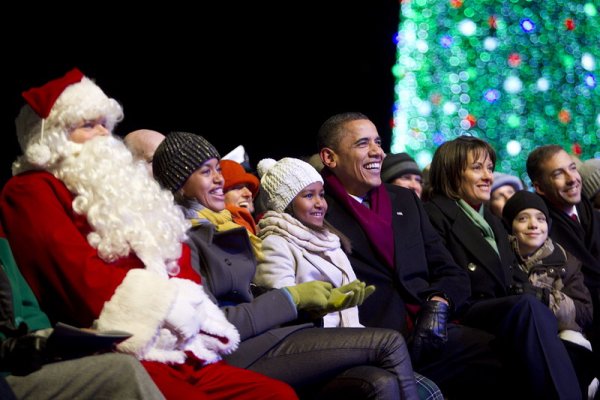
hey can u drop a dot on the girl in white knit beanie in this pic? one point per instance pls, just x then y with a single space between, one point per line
297 247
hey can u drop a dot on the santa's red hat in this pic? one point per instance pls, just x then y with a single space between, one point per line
54 108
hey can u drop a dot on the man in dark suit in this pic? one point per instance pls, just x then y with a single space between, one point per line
395 248
575 225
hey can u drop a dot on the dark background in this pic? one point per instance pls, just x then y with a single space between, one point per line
261 75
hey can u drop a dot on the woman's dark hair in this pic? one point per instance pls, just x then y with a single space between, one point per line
451 160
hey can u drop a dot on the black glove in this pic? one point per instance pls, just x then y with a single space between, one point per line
23 355
430 333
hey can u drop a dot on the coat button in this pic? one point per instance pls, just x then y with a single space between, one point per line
471 267
227 261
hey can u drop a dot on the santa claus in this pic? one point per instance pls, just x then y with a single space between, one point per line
100 243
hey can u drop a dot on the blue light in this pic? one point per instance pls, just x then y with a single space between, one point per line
590 80
527 25
491 95
446 41
438 138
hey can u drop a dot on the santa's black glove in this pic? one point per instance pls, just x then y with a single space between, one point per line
23 355
431 333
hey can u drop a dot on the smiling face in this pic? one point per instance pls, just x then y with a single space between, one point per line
477 179
356 160
206 186
531 230
560 182
240 196
309 205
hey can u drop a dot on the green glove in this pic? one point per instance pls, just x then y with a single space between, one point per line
368 291
339 300
360 290
310 295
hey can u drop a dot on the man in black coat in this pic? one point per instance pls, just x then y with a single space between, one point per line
575 225
395 248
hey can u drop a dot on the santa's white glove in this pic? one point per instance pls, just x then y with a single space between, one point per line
182 318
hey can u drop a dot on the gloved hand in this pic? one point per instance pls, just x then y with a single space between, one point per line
183 320
430 333
310 296
359 293
564 308
369 290
339 300
23 355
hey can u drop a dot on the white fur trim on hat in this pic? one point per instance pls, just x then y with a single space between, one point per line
281 181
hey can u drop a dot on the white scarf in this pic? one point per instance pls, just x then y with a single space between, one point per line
321 243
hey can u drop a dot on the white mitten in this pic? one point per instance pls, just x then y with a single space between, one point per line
208 319
198 346
219 334
182 319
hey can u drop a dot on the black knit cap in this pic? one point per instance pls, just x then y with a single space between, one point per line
520 201
396 165
178 156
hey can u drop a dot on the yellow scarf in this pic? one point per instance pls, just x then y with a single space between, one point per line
223 221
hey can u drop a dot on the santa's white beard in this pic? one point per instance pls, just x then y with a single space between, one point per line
124 205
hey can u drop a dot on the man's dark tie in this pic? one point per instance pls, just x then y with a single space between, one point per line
574 217
366 203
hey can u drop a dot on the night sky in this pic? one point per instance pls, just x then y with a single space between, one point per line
236 75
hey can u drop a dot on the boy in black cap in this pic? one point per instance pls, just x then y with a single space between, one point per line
555 274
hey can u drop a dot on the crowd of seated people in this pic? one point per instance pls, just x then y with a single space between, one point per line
352 280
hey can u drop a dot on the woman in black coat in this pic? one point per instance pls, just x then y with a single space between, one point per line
502 300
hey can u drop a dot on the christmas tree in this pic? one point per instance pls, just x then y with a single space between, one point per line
515 73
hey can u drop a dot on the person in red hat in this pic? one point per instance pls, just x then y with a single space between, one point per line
240 188
102 245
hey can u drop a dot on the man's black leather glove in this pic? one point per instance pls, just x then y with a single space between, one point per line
431 333
22 355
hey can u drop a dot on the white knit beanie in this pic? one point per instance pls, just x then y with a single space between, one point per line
282 180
